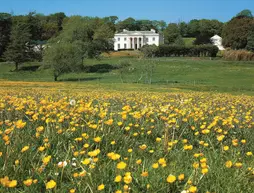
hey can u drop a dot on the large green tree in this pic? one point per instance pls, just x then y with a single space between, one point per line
159 25
140 25
245 13
236 32
129 24
183 27
63 58
5 30
18 50
81 37
250 39
171 33
193 28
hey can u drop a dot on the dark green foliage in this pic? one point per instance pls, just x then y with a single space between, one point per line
245 13
192 51
236 31
178 50
19 50
81 37
149 51
92 34
171 33
207 29
250 40
100 68
193 28
64 58
140 25
202 39
202 29
5 30
183 27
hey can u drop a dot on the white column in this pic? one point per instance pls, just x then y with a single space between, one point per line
138 43
133 43
142 42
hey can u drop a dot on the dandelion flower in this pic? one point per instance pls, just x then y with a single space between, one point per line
51 184
171 179
121 165
100 187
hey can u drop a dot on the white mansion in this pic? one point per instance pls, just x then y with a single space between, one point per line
136 39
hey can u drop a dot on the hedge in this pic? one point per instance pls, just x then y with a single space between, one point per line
178 50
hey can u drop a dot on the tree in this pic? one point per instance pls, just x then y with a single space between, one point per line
111 22
51 25
183 27
250 40
104 32
245 13
63 58
129 24
159 25
202 39
210 27
149 51
5 29
144 25
82 37
18 50
236 31
171 33
193 28
34 24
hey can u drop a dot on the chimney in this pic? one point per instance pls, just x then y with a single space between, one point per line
152 30
125 30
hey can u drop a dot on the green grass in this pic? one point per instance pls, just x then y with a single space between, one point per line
198 74
189 41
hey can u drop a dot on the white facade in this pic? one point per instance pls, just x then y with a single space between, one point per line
136 39
217 41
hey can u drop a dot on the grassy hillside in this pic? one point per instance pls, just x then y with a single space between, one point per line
181 73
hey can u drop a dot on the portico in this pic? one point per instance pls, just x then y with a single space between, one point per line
136 42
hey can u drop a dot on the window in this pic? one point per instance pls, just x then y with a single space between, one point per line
147 39
118 46
118 39
125 46
153 39
125 39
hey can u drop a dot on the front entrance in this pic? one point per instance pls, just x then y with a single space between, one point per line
135 43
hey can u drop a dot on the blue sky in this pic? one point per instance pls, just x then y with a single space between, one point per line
168 10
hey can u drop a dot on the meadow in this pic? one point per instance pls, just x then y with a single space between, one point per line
128 125
64 137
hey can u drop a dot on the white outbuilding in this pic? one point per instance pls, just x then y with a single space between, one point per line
217 41
136 39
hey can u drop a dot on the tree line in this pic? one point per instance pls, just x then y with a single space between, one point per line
69 40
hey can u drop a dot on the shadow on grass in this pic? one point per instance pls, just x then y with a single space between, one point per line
29 68
99 68
79 79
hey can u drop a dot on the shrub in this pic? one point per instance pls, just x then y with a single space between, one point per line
192 51
149 50
238 55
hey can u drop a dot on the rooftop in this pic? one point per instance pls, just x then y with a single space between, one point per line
127 32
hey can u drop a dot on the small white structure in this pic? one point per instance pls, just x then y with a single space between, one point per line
217 41
136 39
